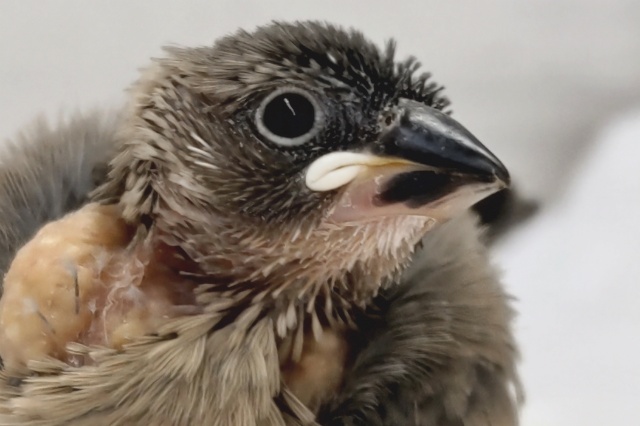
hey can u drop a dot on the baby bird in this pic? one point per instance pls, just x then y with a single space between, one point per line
310 197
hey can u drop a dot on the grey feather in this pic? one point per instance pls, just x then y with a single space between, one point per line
441 352
46 172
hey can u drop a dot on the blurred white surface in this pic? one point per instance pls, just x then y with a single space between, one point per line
576 271
537 81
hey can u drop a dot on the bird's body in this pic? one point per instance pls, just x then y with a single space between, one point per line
330 286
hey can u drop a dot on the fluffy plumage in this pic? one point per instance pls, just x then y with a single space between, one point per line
46 172
429 345
441 352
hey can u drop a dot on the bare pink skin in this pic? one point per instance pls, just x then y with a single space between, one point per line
359 201
76 281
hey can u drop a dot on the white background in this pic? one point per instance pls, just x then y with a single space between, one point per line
552 87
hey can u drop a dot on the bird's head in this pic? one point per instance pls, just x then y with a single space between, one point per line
298 158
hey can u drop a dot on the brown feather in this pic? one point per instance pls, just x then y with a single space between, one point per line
431 346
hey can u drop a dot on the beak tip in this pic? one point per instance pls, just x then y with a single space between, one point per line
490 170
503 177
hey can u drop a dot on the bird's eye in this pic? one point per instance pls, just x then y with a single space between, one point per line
289 117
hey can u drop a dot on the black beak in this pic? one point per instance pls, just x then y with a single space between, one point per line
448 157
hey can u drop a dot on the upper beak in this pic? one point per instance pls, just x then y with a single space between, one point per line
425 163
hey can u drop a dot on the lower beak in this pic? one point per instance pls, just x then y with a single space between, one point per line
425 164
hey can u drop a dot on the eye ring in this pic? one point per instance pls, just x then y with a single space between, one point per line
289 117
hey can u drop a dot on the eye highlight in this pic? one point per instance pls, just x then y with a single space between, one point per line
289 117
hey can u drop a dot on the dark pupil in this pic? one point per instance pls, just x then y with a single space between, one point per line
289 115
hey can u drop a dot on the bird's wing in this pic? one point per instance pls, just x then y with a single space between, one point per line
443 353
46 172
